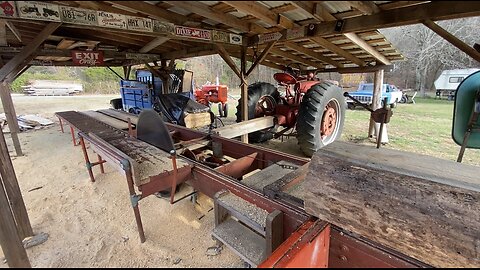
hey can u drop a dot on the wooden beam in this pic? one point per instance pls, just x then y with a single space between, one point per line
365 69
317 10
296 58
244 89
152 10
334 48
14 30
191 52
243 128
207 12
367 47
10 241
441 10
366 7
97 5
262 57
153 44
28 50
14 194
11 116
226 57
452 39
3 33
313 54
262 13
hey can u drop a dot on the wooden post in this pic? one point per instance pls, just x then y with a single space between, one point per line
376 104
11 115
244 105
13 191
11 226
9 239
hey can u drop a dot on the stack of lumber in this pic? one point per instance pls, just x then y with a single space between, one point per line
26 122
424 207
52 88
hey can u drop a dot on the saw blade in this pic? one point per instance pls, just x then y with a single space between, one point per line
151 129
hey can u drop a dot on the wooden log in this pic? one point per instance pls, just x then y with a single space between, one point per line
437 222
195 120
245 127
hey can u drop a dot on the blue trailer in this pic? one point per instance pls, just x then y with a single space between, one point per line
147 92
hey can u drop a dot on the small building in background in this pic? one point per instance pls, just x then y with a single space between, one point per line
52 88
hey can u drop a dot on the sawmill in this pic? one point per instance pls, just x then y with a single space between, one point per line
339 205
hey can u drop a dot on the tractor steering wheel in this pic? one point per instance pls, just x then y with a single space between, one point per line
289 68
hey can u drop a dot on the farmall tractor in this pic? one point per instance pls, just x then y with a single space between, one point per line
313 110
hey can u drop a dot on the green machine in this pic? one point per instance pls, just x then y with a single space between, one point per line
466 124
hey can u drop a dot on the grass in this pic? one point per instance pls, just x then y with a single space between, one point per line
424 128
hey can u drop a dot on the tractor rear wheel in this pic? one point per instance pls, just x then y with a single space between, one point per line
321 117
262 100
221 112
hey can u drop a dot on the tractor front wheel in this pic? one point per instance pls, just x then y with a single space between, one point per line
321 117
262 100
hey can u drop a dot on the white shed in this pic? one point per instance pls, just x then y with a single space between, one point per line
450 79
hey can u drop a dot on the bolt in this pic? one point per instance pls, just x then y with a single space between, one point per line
343 258
344 248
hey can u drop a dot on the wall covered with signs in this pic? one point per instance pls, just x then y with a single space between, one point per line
34 10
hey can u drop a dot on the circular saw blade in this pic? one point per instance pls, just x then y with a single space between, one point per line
151 129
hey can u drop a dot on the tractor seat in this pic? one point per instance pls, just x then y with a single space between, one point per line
284 78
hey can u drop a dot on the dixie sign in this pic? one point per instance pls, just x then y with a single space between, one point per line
87 58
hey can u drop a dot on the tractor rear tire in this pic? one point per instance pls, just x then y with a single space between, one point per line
255 92
225 110
322 101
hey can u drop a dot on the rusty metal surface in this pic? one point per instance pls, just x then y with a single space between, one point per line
348 250
306 247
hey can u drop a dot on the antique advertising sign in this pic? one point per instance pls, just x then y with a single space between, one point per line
235 39
220 36
38 11
163 27
264 38
193 33
7 9
78 15
111 20
87 58
139 24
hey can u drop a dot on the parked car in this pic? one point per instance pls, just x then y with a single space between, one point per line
364 94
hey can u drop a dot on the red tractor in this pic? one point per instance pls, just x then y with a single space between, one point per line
214 94
316 109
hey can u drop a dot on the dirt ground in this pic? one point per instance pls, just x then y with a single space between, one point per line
92 224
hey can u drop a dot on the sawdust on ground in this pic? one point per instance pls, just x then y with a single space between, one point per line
92 224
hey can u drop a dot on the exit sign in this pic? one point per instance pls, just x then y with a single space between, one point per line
87 58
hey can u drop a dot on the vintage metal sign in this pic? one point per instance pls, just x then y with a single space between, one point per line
78 16
163 27
264 38
87 58
139 24
7 9
236 39
193 33
220 36
295 33
38 11
112 20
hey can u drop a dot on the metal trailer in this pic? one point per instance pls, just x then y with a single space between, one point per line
449 80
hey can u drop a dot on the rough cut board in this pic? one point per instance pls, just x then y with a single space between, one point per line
106 119
422 217
148 160
121 115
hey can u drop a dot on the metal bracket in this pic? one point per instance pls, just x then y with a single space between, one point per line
135 199
88 165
